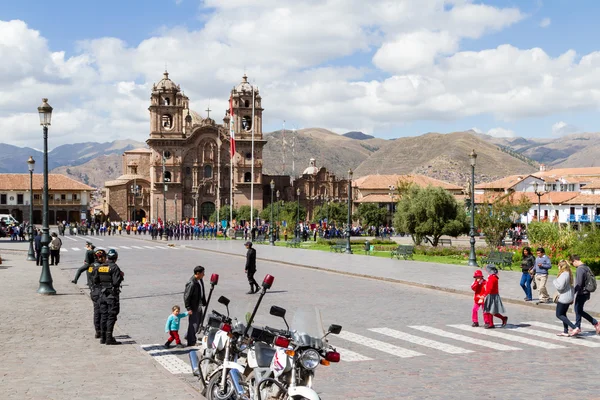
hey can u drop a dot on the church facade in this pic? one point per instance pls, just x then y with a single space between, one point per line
186 172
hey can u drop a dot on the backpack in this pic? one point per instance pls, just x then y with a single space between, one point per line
590 281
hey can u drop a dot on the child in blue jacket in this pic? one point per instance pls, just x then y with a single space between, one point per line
172 326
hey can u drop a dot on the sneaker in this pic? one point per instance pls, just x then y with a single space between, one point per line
488 326
475 324
250 292
167 345
504 321
597 326
74 281
575 332
526 299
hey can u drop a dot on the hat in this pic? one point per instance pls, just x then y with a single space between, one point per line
478 274
491 268
88 243
249 244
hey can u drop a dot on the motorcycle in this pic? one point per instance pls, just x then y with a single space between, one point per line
287 371
227 380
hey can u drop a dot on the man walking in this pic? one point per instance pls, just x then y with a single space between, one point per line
87 262
194 299
251 268
582 294
37 240
542 266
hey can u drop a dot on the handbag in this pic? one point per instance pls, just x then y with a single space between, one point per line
533 284
555 298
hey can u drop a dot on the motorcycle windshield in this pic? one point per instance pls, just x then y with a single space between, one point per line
307 326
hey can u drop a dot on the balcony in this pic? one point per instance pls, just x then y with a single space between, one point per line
572 218
246 163
57 202
597 219
584 218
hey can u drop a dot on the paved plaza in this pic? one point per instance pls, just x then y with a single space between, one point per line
400 339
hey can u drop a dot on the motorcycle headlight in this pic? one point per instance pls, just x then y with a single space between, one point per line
310 359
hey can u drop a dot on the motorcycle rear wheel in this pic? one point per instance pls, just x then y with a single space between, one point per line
213 389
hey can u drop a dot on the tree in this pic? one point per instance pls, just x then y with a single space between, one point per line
336 212
223 214
243 213
494 217
288 212
370 214
429 211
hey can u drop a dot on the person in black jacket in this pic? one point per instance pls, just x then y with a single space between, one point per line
251 268
194 299
37 240
87 262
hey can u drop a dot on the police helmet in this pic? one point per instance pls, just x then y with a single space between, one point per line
99 253
112 255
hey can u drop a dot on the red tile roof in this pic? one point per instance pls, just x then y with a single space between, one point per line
55 182
587 199
504 183
384 181
546 198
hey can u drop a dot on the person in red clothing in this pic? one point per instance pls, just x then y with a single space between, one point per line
492 305
478 287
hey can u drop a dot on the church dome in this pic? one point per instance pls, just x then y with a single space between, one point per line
312 168
245 86
165 84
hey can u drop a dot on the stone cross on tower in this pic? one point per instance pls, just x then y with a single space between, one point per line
208 110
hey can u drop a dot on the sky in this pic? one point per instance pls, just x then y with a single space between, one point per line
389 68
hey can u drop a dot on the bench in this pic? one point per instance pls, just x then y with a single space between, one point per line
445 241
500 259
239 234
260 238
295 242
403 251
338 247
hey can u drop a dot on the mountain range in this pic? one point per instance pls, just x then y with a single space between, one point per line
443 156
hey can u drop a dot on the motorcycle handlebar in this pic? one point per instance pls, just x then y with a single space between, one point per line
277 331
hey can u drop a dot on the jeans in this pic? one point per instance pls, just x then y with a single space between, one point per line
561 313
580 300
526 284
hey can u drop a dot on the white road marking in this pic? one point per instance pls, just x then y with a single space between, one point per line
149 247
548 335
125 247
62 249
378 345
467 339
97 238
70 238
446 348
161 247
169 361
75 248
544 325
350 356
138 247
505 336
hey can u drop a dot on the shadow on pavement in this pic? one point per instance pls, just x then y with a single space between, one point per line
150 295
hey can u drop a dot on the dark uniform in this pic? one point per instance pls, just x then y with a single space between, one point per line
87 262
251 268
109 277
95 296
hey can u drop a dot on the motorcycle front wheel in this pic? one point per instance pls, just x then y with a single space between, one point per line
213 389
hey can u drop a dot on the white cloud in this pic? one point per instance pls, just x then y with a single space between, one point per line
295 52
562 128
545 23
501 132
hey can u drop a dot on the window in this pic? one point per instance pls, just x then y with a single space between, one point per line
188 171
248 156
247 103
247 123
571 187
2 199
247 177
37 197
167 121
167 177
19 199
63 196
208 171
585 211
167 101
572 210
75 196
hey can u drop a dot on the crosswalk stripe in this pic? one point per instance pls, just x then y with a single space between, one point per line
138 247
512 338
169 361
446 348
70 238
378 345
75 248
552 336
125 247
543 325
350 356
149 247
62 249
467 339
161 247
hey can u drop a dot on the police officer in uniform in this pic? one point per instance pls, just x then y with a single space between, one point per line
109 277
87 262
100 257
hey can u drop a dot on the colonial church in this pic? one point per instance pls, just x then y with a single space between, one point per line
186 170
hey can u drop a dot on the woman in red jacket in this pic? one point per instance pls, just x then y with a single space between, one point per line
492 305
478 287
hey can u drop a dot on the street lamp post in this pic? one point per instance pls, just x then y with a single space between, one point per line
175 202
348 245
45 287
30 253
272 238
393 205
472 254
165 237
298 213
539 196
277 217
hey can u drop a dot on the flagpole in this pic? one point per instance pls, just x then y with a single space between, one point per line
231 154
252 167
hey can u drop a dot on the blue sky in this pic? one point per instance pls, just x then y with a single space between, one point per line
284 72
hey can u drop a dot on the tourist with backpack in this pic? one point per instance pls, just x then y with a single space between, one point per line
585 283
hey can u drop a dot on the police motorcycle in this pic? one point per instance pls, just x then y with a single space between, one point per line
227 380
287 371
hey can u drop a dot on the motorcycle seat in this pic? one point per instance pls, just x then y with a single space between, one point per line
264 354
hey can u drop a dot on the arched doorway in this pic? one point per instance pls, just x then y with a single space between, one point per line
206 210
139 214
